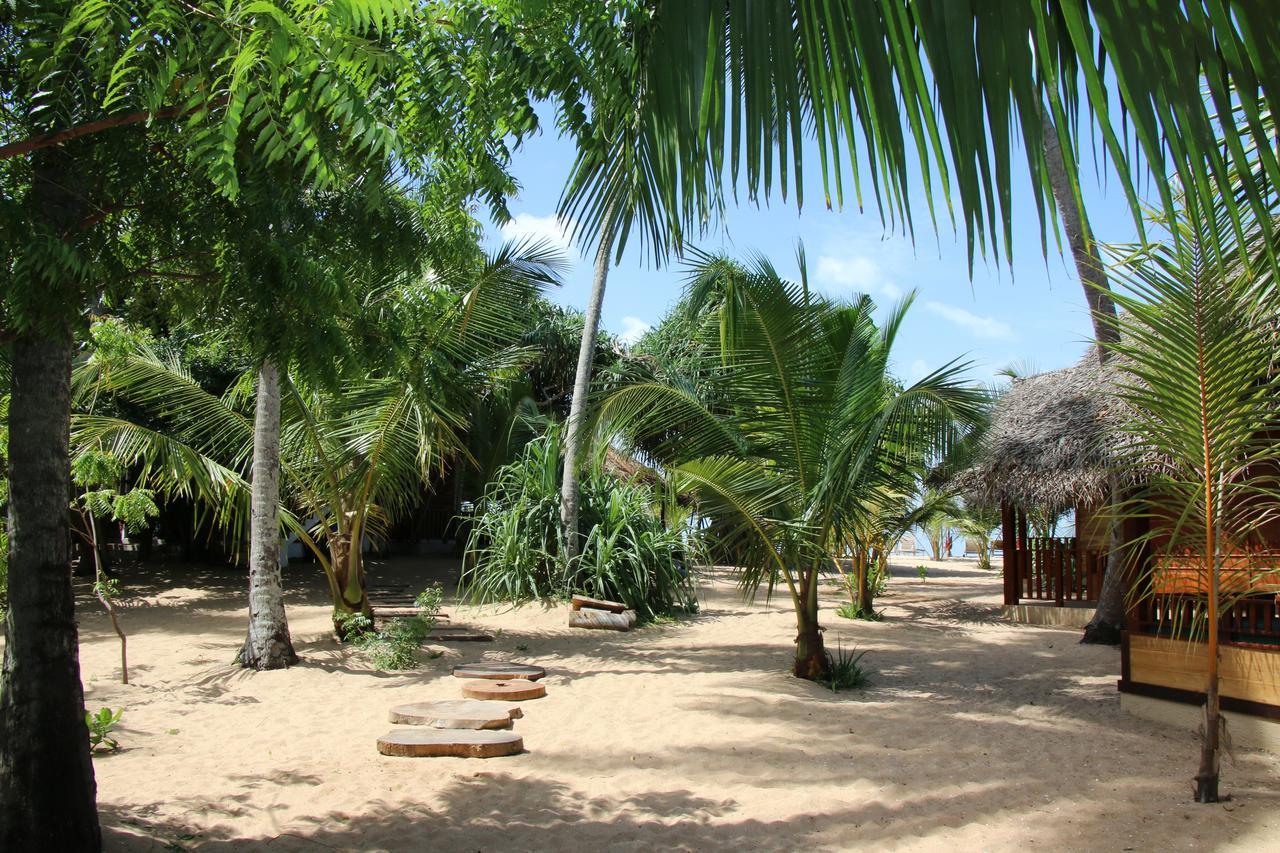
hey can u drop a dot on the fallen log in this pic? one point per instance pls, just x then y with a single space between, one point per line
580 601
604 620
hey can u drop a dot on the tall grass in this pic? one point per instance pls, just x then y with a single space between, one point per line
628 554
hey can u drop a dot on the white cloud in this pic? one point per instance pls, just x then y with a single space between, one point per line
550 229
856 271
632 329
919 369
982 327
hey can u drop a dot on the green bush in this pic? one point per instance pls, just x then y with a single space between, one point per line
396 645
628 554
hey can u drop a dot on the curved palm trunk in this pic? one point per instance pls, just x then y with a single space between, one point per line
581 386
348 588
47 789
268 645
1108 619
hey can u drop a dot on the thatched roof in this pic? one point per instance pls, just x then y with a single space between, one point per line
627 468
1051 441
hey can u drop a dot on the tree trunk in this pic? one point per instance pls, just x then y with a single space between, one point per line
1206 779
581 386
866 597
811 657
1108 619
268 645
104 596
350 592
47 789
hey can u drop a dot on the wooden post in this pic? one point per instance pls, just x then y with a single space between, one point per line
1060 559
1010 553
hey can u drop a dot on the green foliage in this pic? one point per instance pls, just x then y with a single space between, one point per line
853 611
354 455
923 571
99 473
396 646
1199 386
670 97
846 672
100 726
807 430
4 572
627 555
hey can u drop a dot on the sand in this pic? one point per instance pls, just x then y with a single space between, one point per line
973 735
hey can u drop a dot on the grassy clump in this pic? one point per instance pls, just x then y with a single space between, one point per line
846 670
852 611
628 554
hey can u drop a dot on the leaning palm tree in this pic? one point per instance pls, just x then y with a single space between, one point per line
814 426
1201 383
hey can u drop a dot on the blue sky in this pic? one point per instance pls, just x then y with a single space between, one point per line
1033 313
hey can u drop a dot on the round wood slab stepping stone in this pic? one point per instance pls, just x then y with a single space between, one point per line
511 691
457 714
427 743
499 671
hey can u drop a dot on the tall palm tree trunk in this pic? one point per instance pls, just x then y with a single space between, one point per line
268 645
581 387
1108 619
47 789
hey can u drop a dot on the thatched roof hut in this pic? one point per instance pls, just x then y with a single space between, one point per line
1051 442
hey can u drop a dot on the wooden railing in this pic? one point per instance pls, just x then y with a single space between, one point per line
1252 622
1053 569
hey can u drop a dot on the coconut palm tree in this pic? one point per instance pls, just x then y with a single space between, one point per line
816 426
1198 374
663 99
354 457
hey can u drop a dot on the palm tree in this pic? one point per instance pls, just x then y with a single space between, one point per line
354 457
664 98
976 521
1197 367
815 427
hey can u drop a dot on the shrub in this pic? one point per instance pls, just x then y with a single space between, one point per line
628 554
851 611
396 645
846 670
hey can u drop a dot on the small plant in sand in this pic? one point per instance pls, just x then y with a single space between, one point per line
846 670
100 726
396 645
99 474
923 571
850 610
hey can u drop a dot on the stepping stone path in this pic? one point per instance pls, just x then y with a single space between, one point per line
499 671
466 728
421 743
510 691
457 714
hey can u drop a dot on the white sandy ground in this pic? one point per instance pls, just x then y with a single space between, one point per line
974 735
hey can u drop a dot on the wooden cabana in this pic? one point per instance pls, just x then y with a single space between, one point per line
1047 452
1052 446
